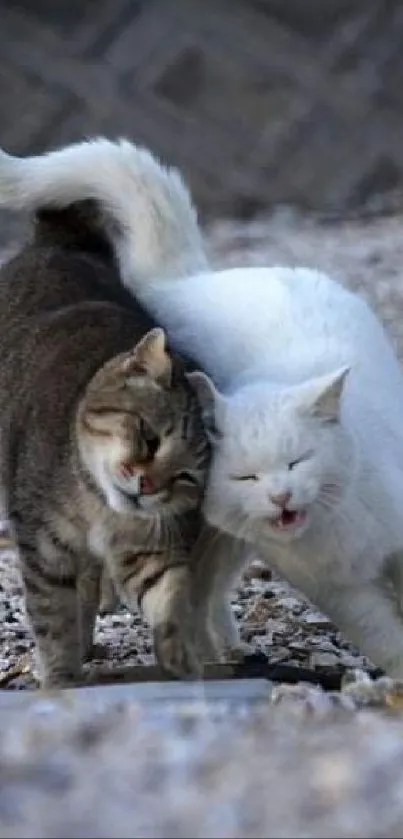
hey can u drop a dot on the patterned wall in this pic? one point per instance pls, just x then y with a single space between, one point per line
259 102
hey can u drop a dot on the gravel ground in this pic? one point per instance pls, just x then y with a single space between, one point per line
273 617
305 764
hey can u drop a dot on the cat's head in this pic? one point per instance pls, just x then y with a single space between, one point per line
282 461
140 432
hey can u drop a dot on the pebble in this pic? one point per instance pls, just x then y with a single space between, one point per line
324 659
315 619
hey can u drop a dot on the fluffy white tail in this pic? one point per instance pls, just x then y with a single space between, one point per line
146 208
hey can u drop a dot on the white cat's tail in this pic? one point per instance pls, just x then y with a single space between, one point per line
146 209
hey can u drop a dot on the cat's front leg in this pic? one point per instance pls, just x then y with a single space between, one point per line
226 631
108 600
166 607
158 584
217 564
52 609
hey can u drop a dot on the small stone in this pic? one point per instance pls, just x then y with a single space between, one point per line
316 619
323 644
348 660
277 654
290 603
258 571
299 646
259 614
319 659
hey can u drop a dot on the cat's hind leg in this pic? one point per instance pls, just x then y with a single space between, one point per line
52 608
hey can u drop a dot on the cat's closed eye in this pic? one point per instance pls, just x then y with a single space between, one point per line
244 478
151 439
293 463
186 478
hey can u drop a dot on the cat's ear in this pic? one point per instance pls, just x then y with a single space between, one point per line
151 356
210 400
321 397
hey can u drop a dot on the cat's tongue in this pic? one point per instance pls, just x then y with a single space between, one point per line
289 519
146 485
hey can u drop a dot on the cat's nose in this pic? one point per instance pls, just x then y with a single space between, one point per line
280 499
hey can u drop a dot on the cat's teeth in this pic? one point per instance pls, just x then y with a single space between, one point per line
146 485
283 522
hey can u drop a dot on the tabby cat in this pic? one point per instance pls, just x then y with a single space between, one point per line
104 453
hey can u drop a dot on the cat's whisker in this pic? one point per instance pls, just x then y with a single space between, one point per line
333 496
330 501
328 508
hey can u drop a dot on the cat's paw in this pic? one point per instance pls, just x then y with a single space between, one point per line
57 680
109 603
237 653
207 646
176 652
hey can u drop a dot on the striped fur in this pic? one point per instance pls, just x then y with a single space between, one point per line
103 448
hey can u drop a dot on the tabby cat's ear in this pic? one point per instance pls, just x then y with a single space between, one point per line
210 401
151 356
321 397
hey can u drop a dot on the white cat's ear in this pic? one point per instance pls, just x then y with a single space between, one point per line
210 400
321 397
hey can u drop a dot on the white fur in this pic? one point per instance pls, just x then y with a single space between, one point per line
148 212
266 335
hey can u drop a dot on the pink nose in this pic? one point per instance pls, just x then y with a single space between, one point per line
281 499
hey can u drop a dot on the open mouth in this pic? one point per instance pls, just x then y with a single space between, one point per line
289 519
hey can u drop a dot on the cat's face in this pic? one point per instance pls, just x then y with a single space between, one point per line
281 460
141 433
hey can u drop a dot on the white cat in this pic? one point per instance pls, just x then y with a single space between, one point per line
308 463
308 419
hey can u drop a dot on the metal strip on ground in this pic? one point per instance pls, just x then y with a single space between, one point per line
100 696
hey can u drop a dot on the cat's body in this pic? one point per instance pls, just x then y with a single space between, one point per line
308 466
103 450
267 337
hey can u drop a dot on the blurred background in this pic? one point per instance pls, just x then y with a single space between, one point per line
260 102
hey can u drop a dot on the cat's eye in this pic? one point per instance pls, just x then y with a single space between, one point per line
244 478
293 463
152 441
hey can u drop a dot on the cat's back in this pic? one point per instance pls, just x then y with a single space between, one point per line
63 313
55 302
292 322
68 265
